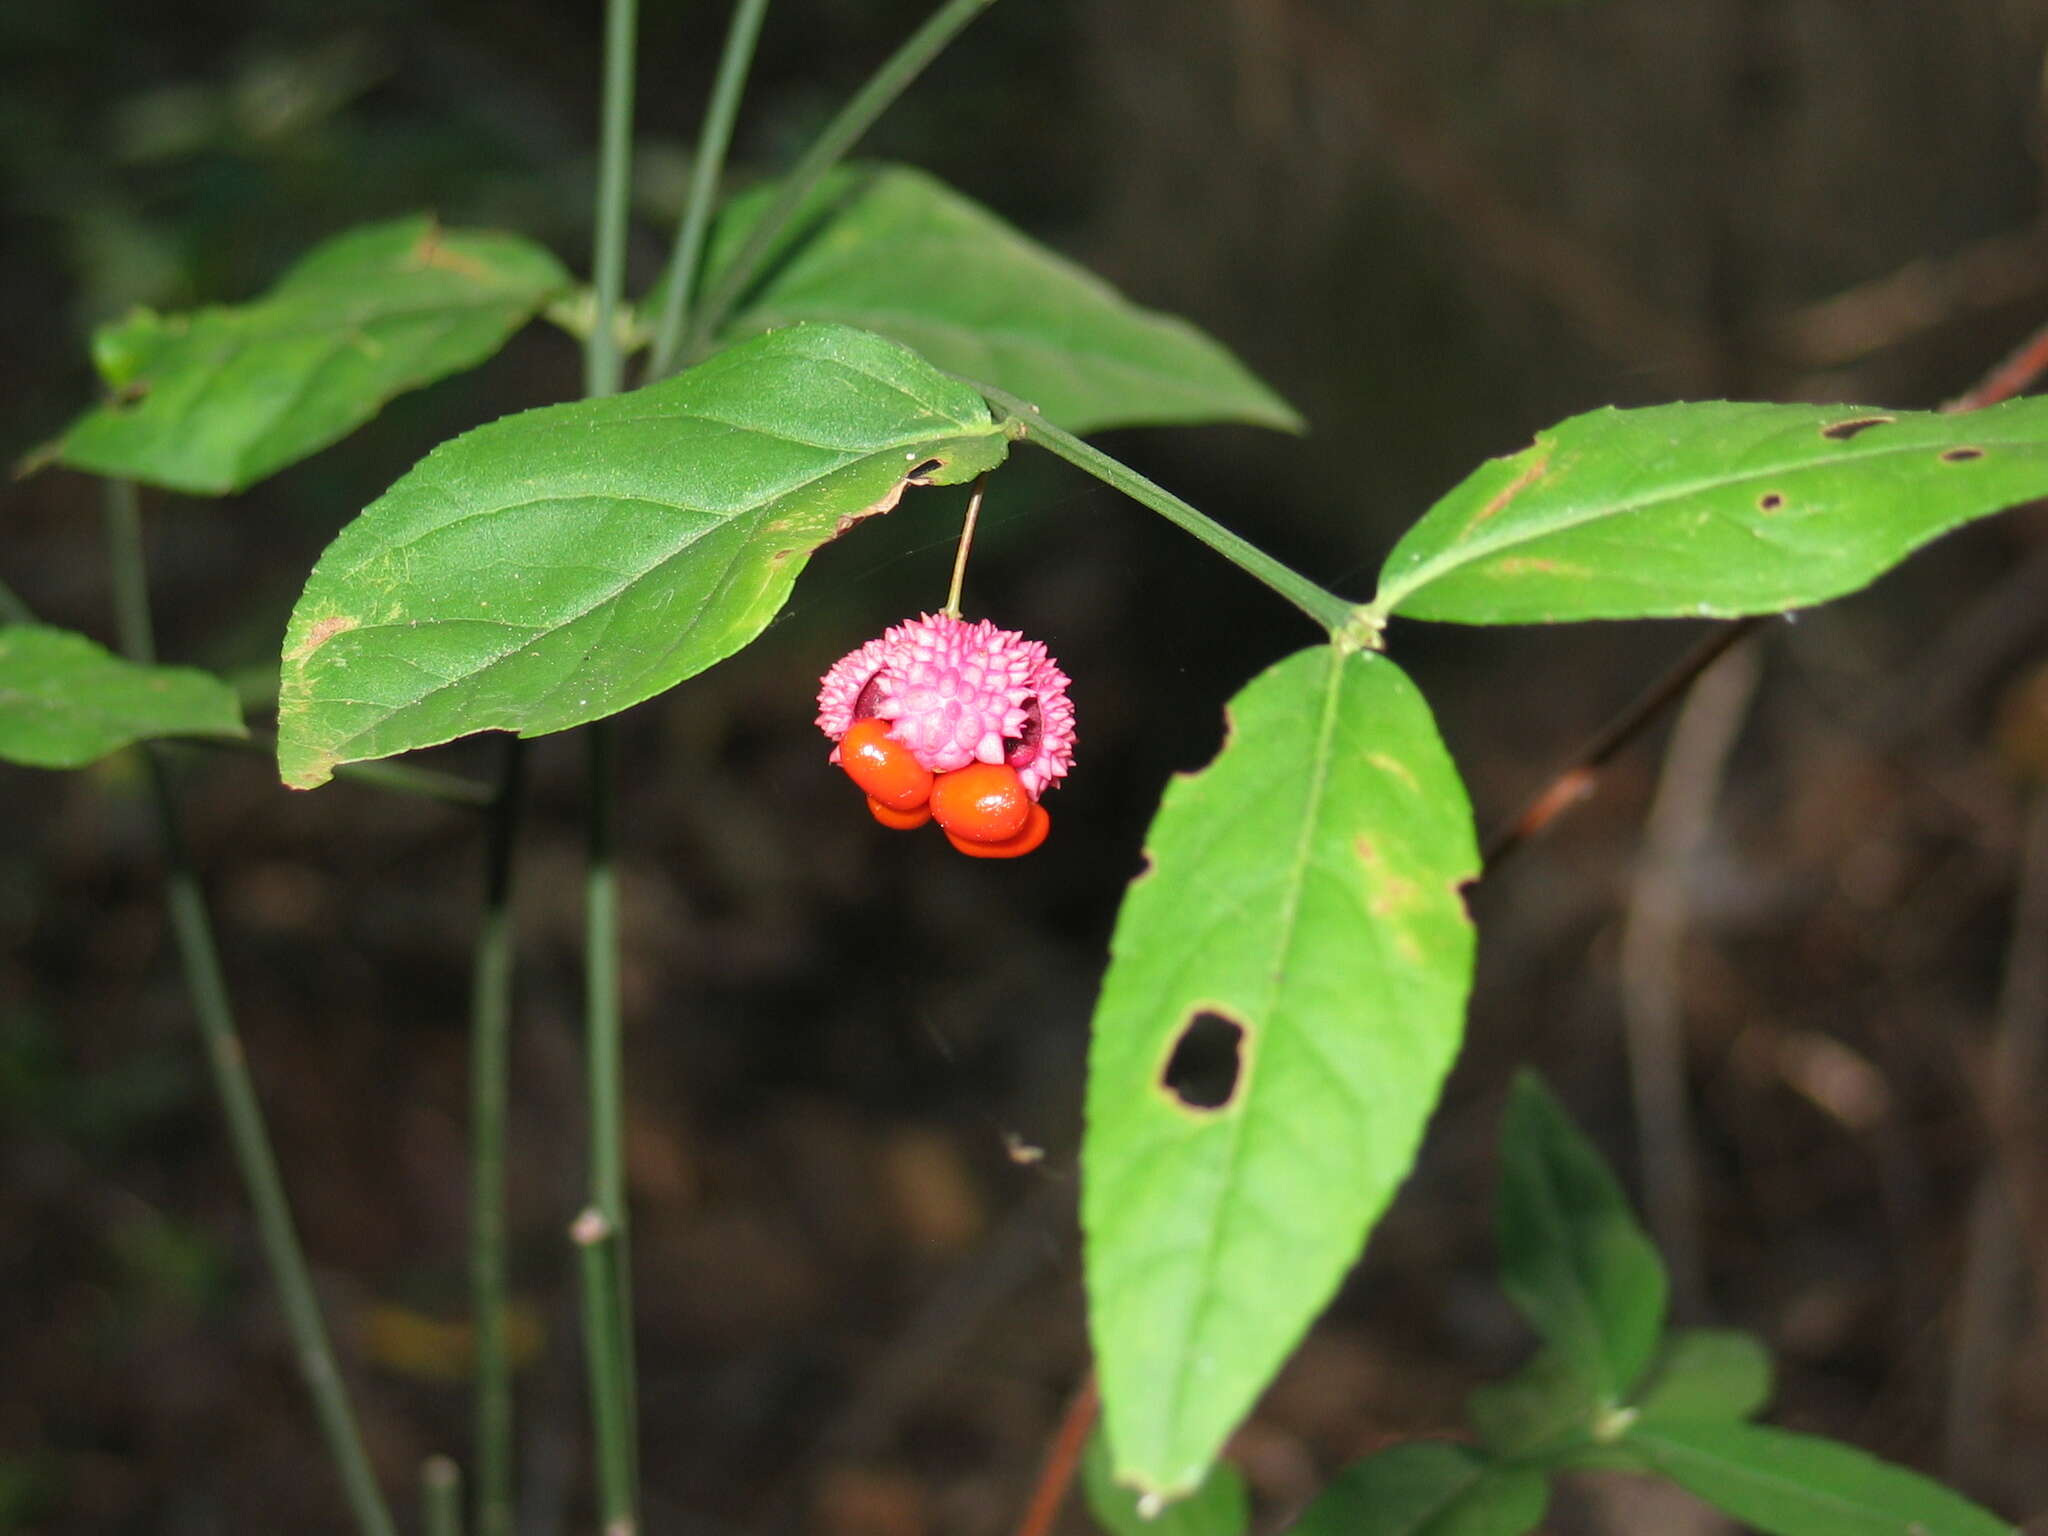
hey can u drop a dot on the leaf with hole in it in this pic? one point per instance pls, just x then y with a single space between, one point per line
1715 510
1573 1257
1219 1507
560 565
212 401
1427 1488
1785 1484
66 702
1302 903
1707 1373
898 252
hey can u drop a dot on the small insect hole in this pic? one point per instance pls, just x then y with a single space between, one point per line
1961 455
1770 501
1842 431
1206 1062
920 471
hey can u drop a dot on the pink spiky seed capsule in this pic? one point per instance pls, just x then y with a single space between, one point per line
956 693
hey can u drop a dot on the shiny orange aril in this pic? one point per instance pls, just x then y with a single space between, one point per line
884 766
982 802
899 821
1036 825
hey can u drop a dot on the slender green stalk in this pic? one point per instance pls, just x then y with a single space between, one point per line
601 367
12 609
601 1232
128 571
1025 424
602 1264
826 151
247 1135
490 1030
684 267
952 608
440 1497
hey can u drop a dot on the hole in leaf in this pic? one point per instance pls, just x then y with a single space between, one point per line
1842 431
1770 501
1206 1063
1961 455
924 469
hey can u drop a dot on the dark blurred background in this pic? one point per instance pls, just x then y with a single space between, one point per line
1436 226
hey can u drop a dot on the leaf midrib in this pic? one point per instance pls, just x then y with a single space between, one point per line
1679 1450
610 595
1311 815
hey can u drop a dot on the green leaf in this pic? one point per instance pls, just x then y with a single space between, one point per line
1801 1485
1545 1403
212 401
559 565
892 250
1305 889
1708 1374
1712 510
1573 1258
1427 1488
1218 1508
66 702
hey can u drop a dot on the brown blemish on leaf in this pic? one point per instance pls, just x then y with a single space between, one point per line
1770 501
875 508
1536 565
1842 431
1961 455
780 555
37 459
323 630
1394 896
430 252
1531 472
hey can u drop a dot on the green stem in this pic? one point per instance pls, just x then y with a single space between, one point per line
611 1389
1328 609
12 609
705 173
826 151
490 1090
614 183
247 1135
952 608
601 1230
440 1497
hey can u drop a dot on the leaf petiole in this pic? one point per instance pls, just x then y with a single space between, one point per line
1023 423
952 608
